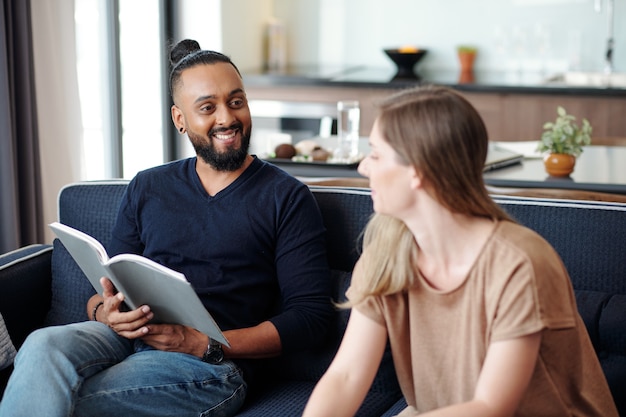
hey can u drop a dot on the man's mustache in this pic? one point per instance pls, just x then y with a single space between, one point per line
234 126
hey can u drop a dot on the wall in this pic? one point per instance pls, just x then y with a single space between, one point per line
58 106
234 27
529 35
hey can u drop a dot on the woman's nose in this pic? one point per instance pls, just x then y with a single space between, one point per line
362 168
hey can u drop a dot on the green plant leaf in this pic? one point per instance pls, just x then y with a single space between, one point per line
564 135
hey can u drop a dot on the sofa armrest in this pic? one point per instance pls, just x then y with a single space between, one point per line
25 277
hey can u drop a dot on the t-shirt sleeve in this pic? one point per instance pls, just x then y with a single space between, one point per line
371 306
537 294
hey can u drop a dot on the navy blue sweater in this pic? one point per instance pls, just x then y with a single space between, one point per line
253 252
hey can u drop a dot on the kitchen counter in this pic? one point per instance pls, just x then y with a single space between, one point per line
484 81
597 169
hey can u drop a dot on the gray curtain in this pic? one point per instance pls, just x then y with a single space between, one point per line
21 219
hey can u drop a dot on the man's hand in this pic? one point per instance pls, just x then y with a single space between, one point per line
129 324
134 324
176 338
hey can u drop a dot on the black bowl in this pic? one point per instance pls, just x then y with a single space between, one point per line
405 61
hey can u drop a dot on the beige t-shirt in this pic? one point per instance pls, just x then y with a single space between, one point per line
517 286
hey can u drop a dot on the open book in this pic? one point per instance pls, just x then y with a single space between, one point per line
142 281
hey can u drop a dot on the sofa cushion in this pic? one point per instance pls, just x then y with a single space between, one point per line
612 325
7 350
612 349
604 316
25 275
590 305
288 398
24 294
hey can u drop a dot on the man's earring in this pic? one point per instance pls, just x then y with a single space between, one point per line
181 129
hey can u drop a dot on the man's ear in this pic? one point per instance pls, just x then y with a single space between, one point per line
177 117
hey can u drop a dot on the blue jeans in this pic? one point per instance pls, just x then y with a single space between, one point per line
86 369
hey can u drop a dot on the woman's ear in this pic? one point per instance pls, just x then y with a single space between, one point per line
416 178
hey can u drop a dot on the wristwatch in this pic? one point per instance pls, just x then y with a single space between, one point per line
214 353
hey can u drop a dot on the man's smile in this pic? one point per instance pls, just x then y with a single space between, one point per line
227 137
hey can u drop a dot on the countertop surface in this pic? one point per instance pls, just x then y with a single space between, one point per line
598 168
369 77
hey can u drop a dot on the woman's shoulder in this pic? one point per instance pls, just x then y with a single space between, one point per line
517 235
514 245
521 260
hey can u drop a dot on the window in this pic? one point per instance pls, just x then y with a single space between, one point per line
121 85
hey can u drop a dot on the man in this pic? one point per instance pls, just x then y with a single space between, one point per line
247 236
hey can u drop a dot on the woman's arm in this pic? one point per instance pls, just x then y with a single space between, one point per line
503 380
343 387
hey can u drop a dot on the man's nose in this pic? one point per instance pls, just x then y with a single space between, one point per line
224 116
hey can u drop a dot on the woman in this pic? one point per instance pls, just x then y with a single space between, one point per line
479 311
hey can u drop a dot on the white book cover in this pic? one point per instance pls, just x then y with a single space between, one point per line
142 281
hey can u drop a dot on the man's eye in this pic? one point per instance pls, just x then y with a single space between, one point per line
207 107
237 103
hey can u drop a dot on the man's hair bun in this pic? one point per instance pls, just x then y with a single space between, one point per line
182 49
186 54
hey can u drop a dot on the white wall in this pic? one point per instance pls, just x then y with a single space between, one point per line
242 30
200 20
510 34
233 27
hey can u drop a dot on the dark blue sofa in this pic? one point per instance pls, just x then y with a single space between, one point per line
40 285
61 291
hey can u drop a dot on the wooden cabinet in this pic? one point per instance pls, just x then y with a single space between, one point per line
514 117
508 116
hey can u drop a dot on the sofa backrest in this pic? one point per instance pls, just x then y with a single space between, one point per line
92 208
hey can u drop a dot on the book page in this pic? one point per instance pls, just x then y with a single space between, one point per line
149 263
171 299
88 253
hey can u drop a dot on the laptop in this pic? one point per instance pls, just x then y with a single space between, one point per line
499 158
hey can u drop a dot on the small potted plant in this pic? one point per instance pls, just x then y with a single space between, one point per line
563 141
467 56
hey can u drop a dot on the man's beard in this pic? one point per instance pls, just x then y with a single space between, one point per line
229 160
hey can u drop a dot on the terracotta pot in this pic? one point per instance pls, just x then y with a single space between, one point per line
559 164
466 77
466 60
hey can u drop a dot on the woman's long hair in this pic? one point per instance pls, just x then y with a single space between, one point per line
437 131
